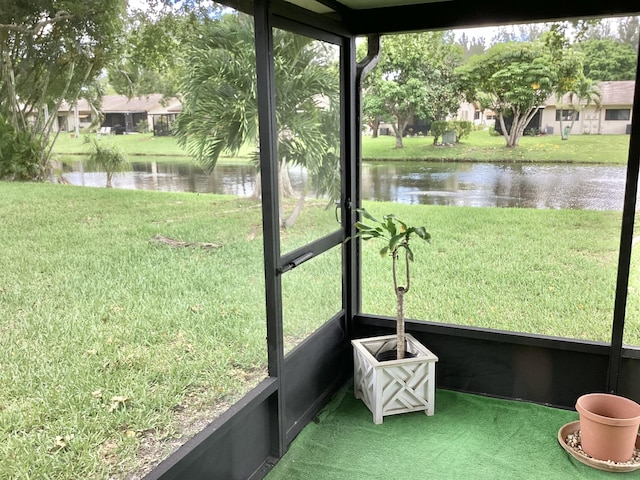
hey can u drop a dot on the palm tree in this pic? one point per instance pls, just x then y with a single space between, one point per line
220 110
583 94
109 158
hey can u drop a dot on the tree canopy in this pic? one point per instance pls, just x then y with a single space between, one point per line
608 60
514 79
50 51
414 78
220 110
154 45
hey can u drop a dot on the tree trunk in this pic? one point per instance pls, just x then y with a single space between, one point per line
505 134
291 219
562 137
284 181
257 192
376 126
398 128
109 175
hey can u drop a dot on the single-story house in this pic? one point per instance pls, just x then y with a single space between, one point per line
162 116
611 115
120 113
472 113
67 115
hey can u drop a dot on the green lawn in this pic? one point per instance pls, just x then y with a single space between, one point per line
110 341
133 144
480 146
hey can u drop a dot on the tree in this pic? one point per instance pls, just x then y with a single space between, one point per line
220 111
109 158
570 80
471 47
608 60
512 79
582 94
625 30
154 47
49 51
414 78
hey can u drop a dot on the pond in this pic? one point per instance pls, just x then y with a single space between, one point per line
556 186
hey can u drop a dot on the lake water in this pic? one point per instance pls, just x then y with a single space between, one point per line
553 186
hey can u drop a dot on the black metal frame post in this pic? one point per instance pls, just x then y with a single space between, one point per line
350 169
270 216
626 240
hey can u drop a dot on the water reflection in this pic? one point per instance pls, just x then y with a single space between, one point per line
585 187
230 179
553 186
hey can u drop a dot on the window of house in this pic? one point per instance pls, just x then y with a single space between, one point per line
617 114
567 115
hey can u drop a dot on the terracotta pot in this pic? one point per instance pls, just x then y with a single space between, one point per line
608 426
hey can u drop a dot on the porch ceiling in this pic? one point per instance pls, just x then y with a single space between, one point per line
364 17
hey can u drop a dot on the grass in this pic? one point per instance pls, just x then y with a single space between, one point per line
109 341
482 147
549 272
161 148
479 146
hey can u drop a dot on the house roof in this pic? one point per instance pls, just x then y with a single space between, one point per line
122 104
611 93
617 93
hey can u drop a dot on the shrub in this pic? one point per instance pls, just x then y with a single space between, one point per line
462 128
437 129
19 154
142 126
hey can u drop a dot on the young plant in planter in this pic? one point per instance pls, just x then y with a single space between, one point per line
396 236
393 373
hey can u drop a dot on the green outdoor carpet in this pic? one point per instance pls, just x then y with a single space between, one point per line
469 437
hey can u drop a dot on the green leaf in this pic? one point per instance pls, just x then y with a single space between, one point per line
390 226
409 252
367 215
395 240
422 233
384 251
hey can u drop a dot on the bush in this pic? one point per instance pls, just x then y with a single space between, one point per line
493 132
142 126
462 128
437 130
19 154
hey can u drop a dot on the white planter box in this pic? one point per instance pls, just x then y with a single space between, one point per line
396 386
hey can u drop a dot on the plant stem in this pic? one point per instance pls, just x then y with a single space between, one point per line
400 348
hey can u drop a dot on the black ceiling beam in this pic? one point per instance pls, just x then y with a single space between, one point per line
336 6
456 14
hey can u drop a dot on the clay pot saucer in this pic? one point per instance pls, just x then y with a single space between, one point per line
582 457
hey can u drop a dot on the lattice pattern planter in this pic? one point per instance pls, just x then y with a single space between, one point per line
396 386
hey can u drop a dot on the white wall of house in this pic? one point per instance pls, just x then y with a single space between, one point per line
606 120
468 112
65 121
